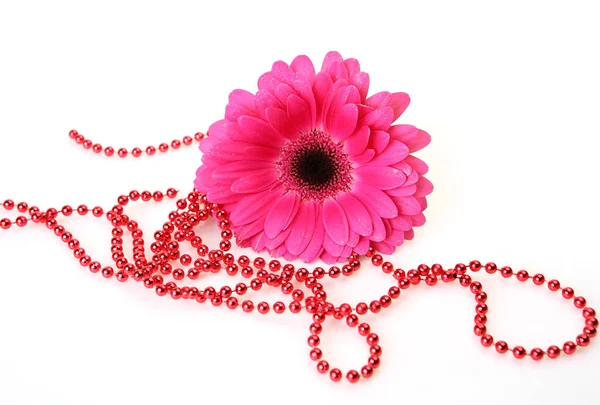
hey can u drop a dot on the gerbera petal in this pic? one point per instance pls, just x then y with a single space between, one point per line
400 102
364 157
241 102
259 242
374 198
204 180
353 239
353 66
331 96
423 187
338 71
402 191
279 240
260 153
409 235
381 99
357 143
264 100
283 91
282 72
382 177
328 258
279 215
321 87
331 246
330 58
401 222
384 248
361 81
217 130
278 119
302 228
408 205
379 141
411 136
254 182
303 66
251 207
223 195
417 164
299 113
246 232
255 130
378 227
380 118
418 220
315 246
359 219
362 246
395 152
343 122
335 221
345 253
232 171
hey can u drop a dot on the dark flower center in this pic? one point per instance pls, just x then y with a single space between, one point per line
314 166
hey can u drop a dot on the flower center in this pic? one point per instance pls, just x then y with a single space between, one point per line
314 166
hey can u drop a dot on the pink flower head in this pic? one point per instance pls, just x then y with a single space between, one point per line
310 167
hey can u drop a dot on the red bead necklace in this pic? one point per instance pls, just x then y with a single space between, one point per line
301 286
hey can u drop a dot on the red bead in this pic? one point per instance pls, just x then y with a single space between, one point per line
352 320
487 340
579 302
372 339
553 285
519 352
353 376
568 293
362 308
316 354
522 275
538 279
589 313
583 340
506 272
501 347
591 322
591 332
367 371
537 354
263 307
322 367
491 268
553 352
475 265
335 375
569 348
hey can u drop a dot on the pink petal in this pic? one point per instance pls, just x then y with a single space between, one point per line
303 66
395 152
255 130
278 119
321 88
396 237
333 93
417 164
379 141
331 247
361 81
217 129
328 259
304 89
279 240
363 246
400 102
343 122
230 172
204 180
357 143
240 103
376 199
379 233
260 153
401 222
268 82
381 118
352 66
302 228
251 207
282 72
354 238
402 191
384 248
418 220
411 136
409 235
259 180
381 99
359 219
299 113
234 111
283 91
423 187
259 242
335 221
382 177
422 202
223 195
315 246
264 100
408 205
338 71
251 229
364 157
345 253
330 58
279 214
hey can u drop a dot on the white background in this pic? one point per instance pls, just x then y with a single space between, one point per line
508 90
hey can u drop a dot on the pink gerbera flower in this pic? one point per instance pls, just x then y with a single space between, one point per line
310 167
